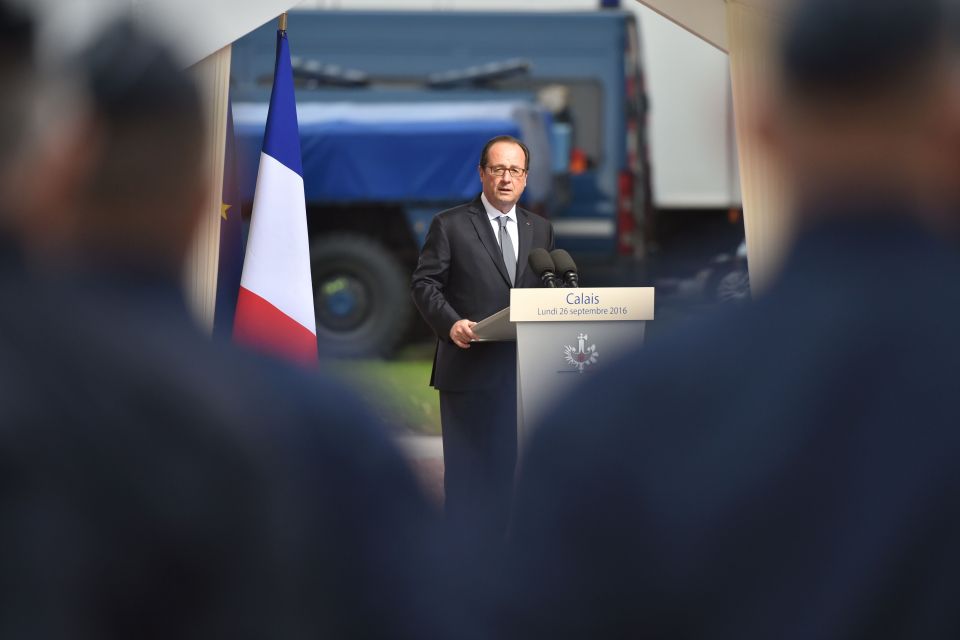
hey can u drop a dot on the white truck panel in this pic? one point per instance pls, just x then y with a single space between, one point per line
691 123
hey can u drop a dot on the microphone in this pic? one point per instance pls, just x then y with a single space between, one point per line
566 267
542 264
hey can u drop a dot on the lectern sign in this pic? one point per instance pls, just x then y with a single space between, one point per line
565 336
565 305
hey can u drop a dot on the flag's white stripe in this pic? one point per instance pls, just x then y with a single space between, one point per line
277 264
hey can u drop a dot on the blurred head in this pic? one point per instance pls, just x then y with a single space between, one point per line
17 83
145 191
40 154
502 158
868 101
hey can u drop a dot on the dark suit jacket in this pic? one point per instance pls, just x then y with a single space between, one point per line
788 470
461 274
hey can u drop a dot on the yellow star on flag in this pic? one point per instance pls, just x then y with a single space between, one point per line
224 207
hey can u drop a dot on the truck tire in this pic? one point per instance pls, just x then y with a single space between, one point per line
360 295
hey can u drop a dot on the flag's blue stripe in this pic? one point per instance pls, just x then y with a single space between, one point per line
282 139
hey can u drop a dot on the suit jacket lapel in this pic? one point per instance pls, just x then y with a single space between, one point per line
525 231
482 224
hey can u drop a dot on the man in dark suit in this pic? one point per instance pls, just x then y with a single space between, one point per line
787 470
473 255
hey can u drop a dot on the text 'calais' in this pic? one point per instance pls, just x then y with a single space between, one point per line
578 298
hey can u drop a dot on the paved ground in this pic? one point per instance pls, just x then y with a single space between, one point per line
426 457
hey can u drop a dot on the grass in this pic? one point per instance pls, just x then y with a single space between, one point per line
397 390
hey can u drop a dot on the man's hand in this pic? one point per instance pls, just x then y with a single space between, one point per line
462 333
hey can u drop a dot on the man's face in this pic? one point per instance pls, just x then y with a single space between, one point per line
504 191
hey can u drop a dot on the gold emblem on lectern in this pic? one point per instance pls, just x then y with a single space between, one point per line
581 356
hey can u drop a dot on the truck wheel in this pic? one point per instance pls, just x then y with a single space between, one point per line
361 297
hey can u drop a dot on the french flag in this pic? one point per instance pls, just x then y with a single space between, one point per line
275 306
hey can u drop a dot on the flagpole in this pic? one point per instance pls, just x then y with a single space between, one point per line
283 21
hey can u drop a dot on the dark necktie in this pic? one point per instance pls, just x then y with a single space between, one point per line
506 247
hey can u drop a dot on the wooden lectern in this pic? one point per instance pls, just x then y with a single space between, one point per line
564 337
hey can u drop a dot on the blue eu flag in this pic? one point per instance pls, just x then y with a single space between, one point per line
231 240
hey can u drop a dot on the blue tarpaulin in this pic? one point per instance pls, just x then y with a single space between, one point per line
395 152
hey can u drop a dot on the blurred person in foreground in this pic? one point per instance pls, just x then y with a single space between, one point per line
790 469
158 484
30 139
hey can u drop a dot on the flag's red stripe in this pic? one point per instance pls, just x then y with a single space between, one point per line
262 326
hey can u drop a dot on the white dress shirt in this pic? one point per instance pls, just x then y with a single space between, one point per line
493 213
